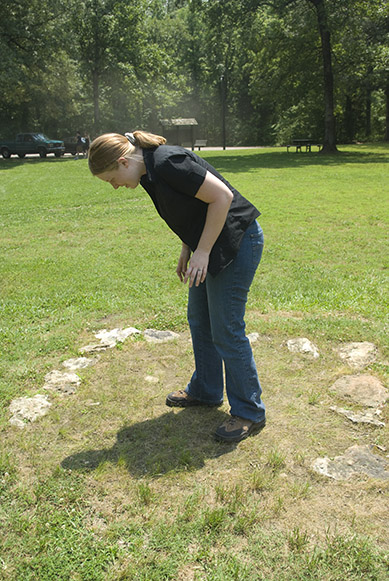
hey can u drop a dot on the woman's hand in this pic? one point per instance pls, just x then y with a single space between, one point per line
182 264
198 268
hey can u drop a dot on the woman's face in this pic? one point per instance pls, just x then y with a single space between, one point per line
128 172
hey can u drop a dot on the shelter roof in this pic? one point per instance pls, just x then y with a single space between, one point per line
179 122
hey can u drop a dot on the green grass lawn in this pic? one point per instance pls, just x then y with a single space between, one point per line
78 256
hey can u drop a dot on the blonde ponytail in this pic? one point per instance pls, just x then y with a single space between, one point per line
148 140
106 149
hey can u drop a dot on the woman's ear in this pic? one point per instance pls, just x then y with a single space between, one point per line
123 161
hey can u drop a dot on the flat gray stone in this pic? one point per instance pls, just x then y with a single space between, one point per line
154 336
62 382
302 345
96 348
369 416
358 354
363 389
79 363
28 409
109 339
116 335
356 460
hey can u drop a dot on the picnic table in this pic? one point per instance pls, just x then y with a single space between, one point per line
300 143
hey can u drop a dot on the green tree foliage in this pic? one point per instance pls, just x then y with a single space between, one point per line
282 68
107 34
36 76
286 82
127 60
361 49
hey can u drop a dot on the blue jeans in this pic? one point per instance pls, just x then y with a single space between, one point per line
216 310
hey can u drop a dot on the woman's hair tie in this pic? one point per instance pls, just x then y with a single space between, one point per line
131 138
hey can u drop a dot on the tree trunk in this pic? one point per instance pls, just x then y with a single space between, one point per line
387 111
368 112
223 90
96 105
349 119
329 143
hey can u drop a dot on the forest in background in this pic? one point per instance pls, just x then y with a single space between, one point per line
269 67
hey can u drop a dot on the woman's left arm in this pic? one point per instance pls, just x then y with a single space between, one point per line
218 197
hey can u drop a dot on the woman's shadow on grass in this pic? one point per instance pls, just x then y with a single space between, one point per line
173 442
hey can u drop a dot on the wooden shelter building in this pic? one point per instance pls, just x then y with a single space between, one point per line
179 131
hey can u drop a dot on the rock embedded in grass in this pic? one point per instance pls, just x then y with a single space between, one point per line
302 345
358 354
109 339
28 409
369 416
96 348
363 389
154 336
116 335
63 382
79 363
356 460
